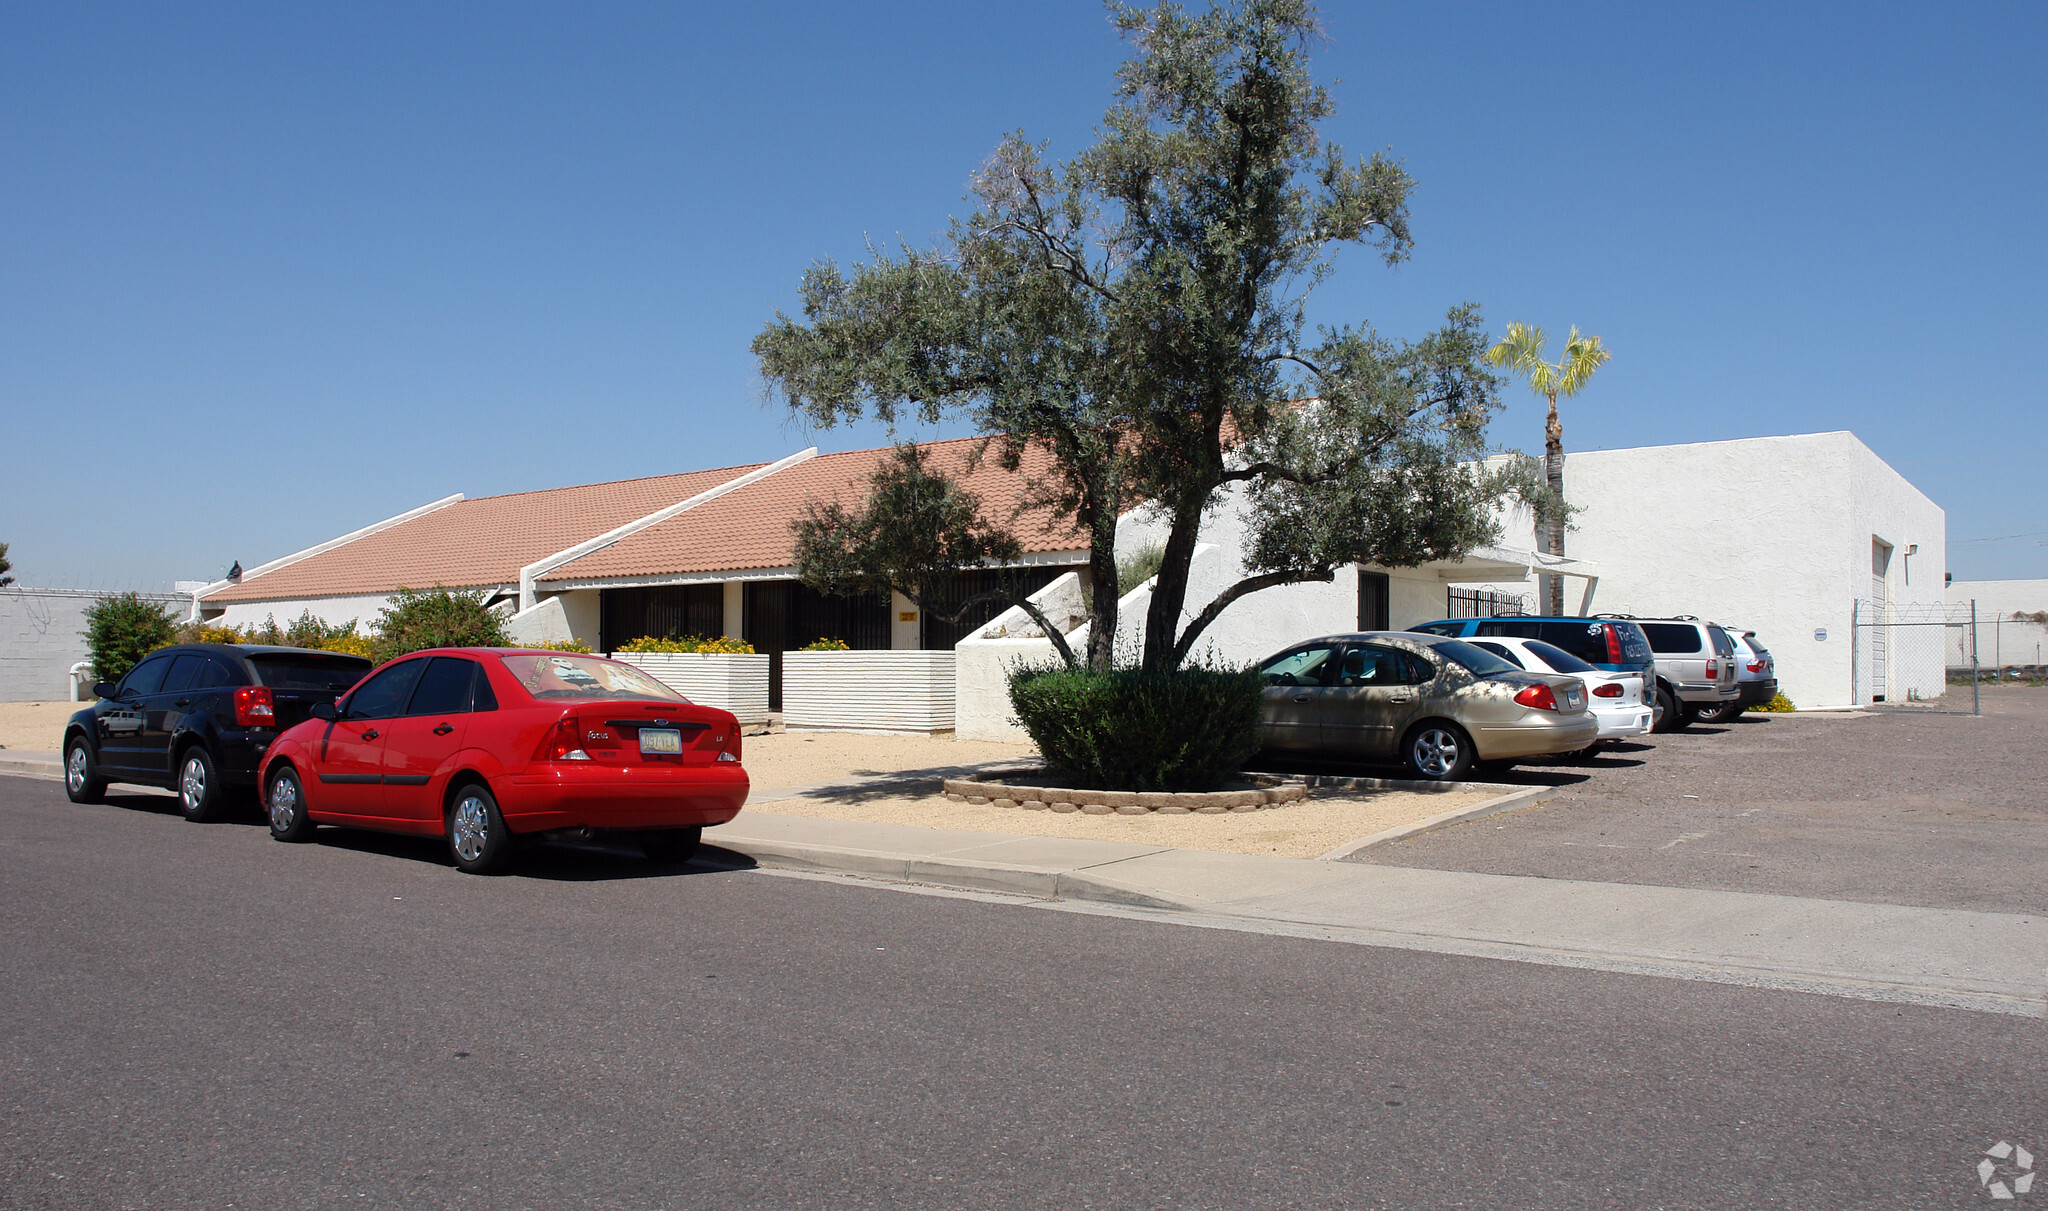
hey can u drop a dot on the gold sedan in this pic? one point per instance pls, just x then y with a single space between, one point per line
1440 705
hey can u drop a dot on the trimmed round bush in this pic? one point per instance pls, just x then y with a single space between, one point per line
1129 730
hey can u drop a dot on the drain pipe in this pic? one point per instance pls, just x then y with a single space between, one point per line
79 672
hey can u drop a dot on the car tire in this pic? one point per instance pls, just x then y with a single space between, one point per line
201 797
1584 754
82 781
477 837
1438 751
1720 712
673 845
285 805
1667 718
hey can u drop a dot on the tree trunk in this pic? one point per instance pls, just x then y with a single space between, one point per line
1170 590
1102 604
1553 472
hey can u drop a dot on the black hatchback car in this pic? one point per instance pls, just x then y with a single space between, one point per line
196 718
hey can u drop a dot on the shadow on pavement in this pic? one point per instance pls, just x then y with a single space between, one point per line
562 862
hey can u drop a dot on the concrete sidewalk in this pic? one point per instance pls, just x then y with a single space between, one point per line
1994 962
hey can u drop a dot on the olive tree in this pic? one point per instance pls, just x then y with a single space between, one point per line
1140 313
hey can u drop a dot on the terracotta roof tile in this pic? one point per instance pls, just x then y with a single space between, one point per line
749 528
475 542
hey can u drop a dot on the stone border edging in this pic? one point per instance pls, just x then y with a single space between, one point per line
1124 803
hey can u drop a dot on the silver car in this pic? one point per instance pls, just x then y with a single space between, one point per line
1439 705
1695 667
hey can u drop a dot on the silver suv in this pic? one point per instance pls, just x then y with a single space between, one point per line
1696 669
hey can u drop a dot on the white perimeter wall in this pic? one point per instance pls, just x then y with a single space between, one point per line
41 637
1769 534
330 610
2000 640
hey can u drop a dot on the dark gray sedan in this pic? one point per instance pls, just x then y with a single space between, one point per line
1439 705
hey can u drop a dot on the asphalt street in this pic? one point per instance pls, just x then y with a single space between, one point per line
1903 806
198 1016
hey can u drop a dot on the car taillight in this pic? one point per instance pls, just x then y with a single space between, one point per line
1756 666
1613 644
1539 697
254 707
1713 670
1610 690
562 743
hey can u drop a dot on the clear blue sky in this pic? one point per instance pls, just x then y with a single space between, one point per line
271 272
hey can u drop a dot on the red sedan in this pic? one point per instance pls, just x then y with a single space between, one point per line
490 746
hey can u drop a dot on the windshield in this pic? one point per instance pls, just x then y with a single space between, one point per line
1479 662
1559 659
552 675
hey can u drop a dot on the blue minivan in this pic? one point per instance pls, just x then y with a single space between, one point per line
1614 644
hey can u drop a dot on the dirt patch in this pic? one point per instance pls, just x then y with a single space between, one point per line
1295 830
782 761
36 726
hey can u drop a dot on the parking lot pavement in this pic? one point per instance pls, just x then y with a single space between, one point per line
194 1015
1901 806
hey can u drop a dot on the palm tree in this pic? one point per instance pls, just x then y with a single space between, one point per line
1522 354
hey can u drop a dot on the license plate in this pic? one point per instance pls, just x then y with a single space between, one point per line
660 740
1573 700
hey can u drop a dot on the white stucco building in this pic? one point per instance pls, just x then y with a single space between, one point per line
1796 538
2003 641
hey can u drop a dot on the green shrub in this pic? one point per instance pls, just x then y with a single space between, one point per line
722 645
437 618
1130 730
119 631
1138 567
1778 703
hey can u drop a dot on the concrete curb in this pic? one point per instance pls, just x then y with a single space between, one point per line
934 871
31 767
1528 796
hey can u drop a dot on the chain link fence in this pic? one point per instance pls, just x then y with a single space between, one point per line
1913 653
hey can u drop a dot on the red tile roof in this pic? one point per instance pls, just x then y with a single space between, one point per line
475 542
749 528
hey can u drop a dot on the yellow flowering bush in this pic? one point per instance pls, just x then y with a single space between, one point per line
826 644
576 646
722 645
1777 703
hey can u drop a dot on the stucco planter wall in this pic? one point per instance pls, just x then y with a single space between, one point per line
735 683
892 691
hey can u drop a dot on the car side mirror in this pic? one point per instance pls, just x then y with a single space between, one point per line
324 710
103 689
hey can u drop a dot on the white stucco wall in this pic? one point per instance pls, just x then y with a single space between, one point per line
2001 640
1771 534
331 610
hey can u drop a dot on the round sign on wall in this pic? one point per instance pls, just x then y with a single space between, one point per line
1820 634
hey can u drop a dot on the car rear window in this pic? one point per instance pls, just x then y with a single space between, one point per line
1437 628
329 674
1479 661
1501 650
1584 640
1559 659
1514 628
557 676
1723 645
1672 638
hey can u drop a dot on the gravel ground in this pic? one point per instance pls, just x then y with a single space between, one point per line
35 726
1293 830
1902 806
785 760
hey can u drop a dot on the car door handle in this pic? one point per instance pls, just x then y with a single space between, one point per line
182 702
1301 697
1403 698
444 729
371 734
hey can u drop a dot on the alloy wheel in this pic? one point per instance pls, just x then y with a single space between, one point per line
1436 752
75 769
192 783
284 804
471 827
